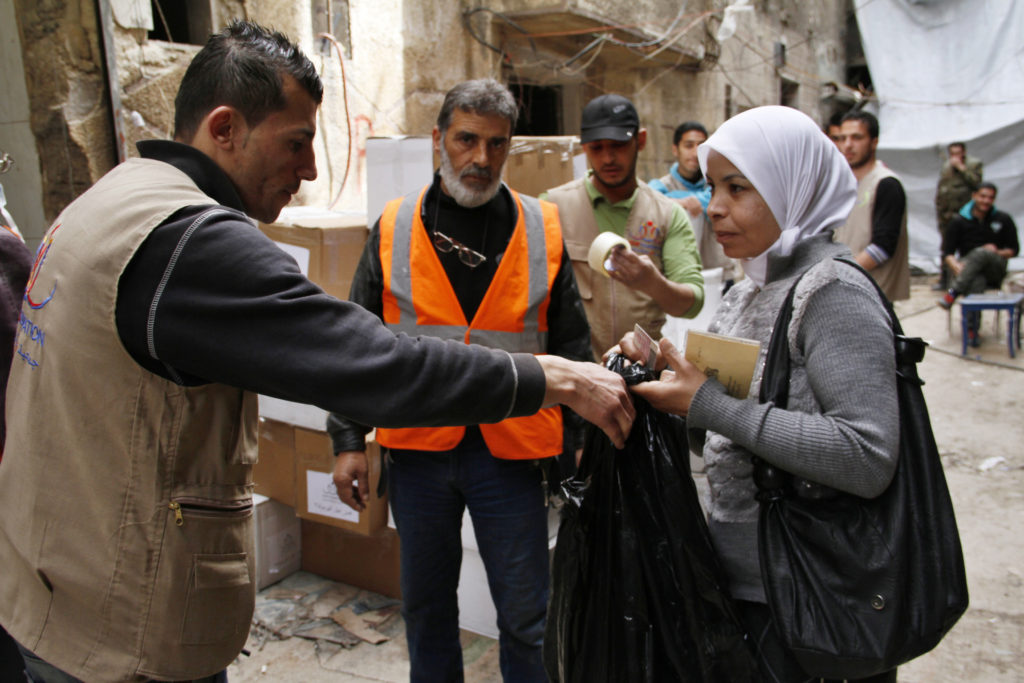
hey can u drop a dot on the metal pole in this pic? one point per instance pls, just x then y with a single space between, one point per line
113 86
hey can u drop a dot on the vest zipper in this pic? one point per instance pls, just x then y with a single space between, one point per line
203 507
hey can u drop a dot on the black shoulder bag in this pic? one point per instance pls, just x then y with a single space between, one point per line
859 586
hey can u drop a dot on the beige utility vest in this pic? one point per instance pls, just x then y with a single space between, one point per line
893 276
125 499
612 308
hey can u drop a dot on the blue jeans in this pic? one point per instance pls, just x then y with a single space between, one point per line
38 670
429 492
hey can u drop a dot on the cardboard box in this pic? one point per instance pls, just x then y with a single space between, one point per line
274 473
278 541
367 562
477 612
538 163
326 244
396 166
290 412
316 497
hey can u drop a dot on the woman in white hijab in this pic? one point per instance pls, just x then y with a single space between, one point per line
779 189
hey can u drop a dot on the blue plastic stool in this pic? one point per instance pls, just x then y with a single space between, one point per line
1011 303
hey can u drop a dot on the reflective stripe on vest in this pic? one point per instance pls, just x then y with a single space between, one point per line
530 340
419 300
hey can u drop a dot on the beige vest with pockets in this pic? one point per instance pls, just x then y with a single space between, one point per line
612 308
125 499
893 276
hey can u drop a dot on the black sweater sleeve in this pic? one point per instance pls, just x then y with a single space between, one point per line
225 304
887 215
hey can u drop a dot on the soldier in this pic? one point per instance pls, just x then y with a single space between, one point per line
959 178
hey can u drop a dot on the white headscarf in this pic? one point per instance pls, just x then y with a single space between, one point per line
797 170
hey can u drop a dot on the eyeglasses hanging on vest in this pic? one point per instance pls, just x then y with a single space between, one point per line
446 244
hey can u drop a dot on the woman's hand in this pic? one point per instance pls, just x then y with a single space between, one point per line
629 348
677 387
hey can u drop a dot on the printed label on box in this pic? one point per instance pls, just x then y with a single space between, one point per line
322 498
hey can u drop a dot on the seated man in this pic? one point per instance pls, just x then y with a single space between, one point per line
976 247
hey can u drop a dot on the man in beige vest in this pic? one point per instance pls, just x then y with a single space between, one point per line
155 312
660 273
876 230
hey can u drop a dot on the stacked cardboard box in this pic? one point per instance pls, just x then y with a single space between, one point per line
326 244
538 163
278 541
295 468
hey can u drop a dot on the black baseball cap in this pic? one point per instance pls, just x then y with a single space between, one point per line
609 117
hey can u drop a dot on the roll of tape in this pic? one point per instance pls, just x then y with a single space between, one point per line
601 250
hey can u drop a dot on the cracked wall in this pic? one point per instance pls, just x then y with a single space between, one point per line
404 57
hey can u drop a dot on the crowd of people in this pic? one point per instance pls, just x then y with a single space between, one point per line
469 343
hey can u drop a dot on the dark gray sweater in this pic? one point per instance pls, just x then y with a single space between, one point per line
229 306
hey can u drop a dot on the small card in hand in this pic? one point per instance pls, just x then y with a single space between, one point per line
646 346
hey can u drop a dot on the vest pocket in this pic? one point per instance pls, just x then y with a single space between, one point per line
202 600
219 598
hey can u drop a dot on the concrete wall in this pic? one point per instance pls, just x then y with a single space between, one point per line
68 112
405 54
22 183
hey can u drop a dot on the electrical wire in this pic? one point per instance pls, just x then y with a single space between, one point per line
348 121
466 14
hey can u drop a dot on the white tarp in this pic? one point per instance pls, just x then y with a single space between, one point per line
944 71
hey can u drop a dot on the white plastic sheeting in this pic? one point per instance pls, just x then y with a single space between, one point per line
943 71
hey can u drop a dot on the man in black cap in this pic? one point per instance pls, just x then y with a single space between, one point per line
659 273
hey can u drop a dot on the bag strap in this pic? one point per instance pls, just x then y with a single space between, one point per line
773 483
775 378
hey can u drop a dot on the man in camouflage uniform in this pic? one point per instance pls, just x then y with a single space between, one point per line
959 178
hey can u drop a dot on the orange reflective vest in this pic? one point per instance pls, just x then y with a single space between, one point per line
419 300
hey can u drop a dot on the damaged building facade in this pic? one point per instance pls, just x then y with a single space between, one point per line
88 78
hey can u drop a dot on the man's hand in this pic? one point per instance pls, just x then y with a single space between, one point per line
352 479
594 393
954 265
640 273
636 272
692 205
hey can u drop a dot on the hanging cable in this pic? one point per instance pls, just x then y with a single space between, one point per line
348 122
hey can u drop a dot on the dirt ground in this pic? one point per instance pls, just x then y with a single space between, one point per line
976 409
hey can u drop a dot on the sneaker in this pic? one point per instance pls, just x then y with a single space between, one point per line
973 339
946 302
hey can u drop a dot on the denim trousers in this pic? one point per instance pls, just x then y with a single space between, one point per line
38 670
429 492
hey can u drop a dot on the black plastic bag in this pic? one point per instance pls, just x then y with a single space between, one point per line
637 592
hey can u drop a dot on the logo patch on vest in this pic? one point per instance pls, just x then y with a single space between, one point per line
30 337
646 239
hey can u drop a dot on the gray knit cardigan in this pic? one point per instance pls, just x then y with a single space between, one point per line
841 427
